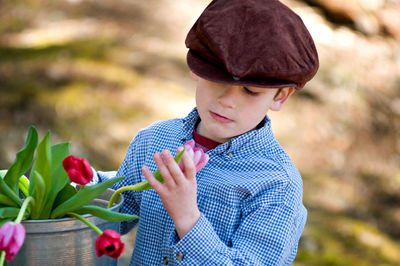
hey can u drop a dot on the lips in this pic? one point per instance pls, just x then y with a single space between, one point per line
220 118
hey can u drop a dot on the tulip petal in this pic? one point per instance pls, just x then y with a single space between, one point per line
87 169
12 237
190 152
67 162
190 143
78 169
203 161
109 243
7 231
111 234
75 176
197 156
19 234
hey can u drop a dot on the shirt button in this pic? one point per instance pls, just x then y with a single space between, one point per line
179 256
230 154
165 260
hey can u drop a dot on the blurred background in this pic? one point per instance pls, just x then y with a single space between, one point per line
95 72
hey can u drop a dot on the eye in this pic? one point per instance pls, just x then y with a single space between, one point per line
250 92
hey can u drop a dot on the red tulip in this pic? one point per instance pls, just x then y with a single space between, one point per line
200 158
109 244
12 236
78 169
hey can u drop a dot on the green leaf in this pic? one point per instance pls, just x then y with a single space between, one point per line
37 192
67 192
42 168
7 191
23 160
3 173
105 214
8 212
59 177
85 195
23 185
7 201
43 161
58 174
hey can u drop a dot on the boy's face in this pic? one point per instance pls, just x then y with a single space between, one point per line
227 111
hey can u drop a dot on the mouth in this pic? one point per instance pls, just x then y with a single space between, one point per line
220 118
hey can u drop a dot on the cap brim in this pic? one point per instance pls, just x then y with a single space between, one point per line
213 73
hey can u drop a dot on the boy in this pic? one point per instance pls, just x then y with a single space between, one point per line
245 206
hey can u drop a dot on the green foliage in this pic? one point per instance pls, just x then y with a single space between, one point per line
9 183
37 192
67 192
105 214
8 212
48 185
23 185
7 201
85 195
22 161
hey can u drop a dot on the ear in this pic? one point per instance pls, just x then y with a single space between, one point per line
194 76
281 98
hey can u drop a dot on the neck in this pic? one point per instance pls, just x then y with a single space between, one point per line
202 131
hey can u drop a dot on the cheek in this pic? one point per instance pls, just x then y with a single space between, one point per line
253 114
199 100
201 103
204 97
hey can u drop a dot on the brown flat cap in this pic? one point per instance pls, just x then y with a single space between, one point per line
258 43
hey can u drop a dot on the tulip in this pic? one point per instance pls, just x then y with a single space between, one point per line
78 169
12 236
109 244
200 158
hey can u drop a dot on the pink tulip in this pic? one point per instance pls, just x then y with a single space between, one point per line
200 158
78 169
12 236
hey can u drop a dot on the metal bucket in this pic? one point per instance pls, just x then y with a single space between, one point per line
65 241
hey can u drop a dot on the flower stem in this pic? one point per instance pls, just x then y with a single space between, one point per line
84 220
22 210
144 184
138 186
2 256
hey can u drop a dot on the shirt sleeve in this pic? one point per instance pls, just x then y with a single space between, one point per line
268 235
101 176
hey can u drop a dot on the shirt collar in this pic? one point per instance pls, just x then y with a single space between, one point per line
253 140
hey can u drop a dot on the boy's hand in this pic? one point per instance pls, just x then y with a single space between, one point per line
179 191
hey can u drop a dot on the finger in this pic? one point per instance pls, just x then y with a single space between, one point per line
190 169
173 167
163 168
151 179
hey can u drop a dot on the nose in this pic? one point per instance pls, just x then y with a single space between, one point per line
227 97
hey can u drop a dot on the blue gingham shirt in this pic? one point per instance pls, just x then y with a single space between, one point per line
249 196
